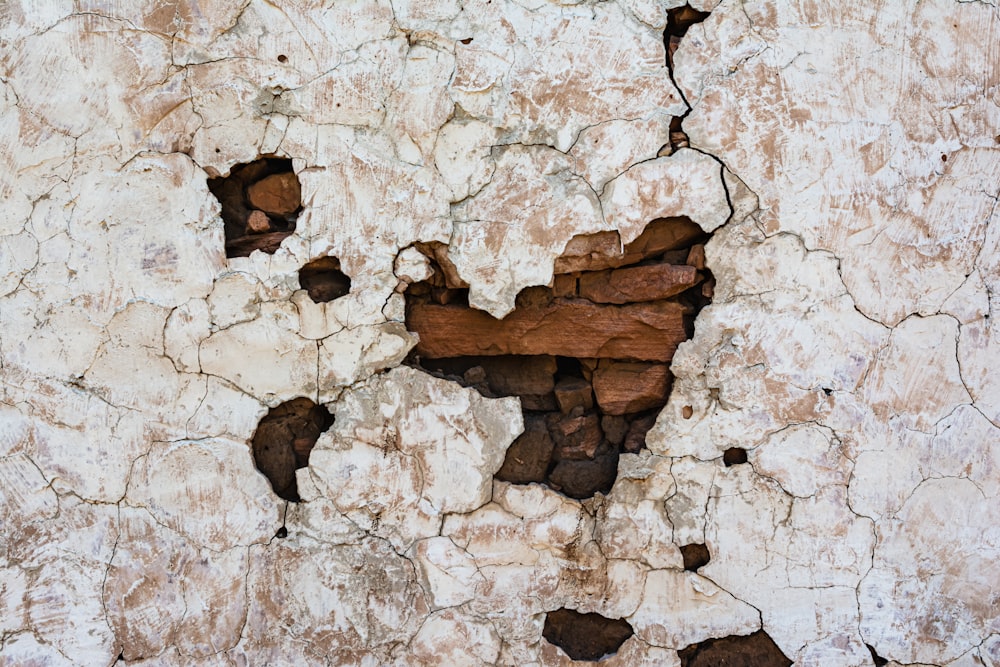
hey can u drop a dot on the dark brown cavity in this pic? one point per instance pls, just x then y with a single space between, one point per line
756 650
695 556
588 356
585 636
324 280
734 456
284 439
261 201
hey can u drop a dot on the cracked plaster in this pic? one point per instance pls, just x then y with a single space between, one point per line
851 348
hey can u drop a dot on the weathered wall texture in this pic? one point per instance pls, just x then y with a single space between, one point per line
852 348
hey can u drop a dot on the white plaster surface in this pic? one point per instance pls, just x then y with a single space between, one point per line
846 155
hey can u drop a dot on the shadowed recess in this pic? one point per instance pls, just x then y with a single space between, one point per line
695 556
261 200
734 456
284 439
585 636
324 280
756 650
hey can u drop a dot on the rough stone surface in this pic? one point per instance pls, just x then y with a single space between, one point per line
845 156
577 328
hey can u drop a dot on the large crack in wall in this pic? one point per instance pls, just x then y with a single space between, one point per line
221 225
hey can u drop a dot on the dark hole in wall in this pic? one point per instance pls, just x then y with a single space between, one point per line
284 439
261 201
877 660
734 456
756 650
324 280
585 636
695 556
588 356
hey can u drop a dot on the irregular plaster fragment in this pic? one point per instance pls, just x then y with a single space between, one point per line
965 445
162 591
931 591
235 298
519 543
604 151
91 446
917 377
687 183
285 364
734 359
633 522
351 355
407 448
215 471
854 176
753 526
64 601
25 649
545 88
803 459
509 234
18 255
426 66
978 347
78 99
48 341
682 608
348 605
448 573
463 156
36 501
134 349
224 412
186 327
449 637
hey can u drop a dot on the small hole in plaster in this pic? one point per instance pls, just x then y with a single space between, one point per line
877 660
282 533
218 150
944 158
998 138
261 201
284 439
585 636
467 40
687 411
324 280
827 391
282 58
734 456
695 556
756 650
